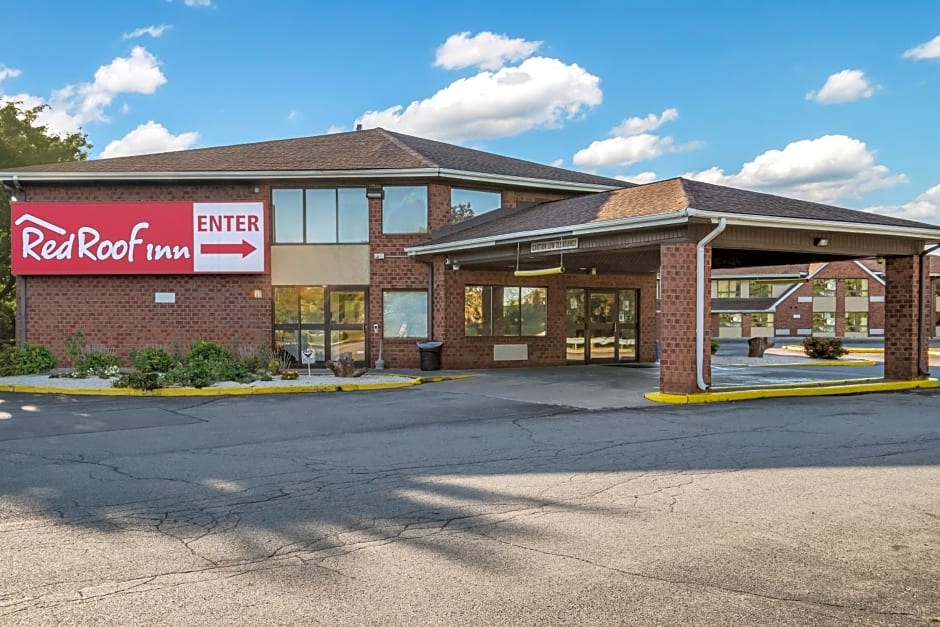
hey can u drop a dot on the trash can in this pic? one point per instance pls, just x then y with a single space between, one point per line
430 355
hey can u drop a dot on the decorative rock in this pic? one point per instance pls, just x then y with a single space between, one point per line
345 366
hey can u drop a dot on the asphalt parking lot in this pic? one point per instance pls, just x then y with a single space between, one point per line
490 500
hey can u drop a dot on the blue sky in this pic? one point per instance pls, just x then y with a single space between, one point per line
831 101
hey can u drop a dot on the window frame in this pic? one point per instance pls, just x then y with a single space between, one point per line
851 292
304 217
487 321
827 292
819 328
863 327
763 320
427 317
723 288
763 287
730 320
470 190
427 207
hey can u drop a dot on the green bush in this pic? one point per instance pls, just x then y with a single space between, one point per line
202 350
31 359
714 346
824 347
208 363
140 381
96 360
152 359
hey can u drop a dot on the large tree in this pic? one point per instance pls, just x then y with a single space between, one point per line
25 142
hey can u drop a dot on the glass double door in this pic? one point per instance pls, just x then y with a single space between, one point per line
601 325
319 323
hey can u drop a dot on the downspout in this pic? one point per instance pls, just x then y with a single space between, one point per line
923 363
700 302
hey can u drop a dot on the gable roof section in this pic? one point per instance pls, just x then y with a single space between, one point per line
372 150
678 199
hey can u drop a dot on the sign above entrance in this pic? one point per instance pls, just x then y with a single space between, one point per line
138 238
565 243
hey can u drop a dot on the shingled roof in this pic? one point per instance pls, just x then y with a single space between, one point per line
663 197
373 149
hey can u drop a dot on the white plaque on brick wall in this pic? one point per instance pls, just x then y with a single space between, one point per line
877 331
782 331
804 331
167 298
804 299
877 299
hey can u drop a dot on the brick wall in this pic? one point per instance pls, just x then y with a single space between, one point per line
902 317
677 372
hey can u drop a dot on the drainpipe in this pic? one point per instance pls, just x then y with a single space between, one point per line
923 362
700 303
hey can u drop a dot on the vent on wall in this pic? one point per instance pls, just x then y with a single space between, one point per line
557 244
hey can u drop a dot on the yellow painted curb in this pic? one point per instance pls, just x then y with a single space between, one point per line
786 392
857 349
851 362
232 391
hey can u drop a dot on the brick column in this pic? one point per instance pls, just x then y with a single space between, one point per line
903 321
677 318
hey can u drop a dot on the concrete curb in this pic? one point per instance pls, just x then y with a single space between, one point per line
803 364
822 388
230 391
857 349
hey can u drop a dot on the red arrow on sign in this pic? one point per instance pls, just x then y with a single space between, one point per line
244 249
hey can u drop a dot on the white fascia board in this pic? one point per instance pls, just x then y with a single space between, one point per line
608 226
254 175
737 219
869 271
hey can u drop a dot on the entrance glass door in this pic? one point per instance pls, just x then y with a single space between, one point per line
601 325
325 321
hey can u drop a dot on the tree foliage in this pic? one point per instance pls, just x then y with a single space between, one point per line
25 142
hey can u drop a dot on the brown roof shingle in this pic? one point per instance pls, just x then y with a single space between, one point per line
373 149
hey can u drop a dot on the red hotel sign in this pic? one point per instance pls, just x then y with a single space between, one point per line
138 238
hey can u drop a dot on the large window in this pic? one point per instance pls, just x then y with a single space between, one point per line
759 289
468 203
856 287
856 322
505 311
405 210
762 320
405 314
318 323
824 287
729 320
824 322
321 216
729 288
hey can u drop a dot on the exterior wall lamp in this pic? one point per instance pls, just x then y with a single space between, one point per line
820 241
257 294
375 193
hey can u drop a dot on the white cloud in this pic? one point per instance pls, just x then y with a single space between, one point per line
635 126
640 178
485 50
73 105
153 31
927 50
539 93
198 3
8 72
557 163
924 208
149 138
824 170
293 116
844 86
335 128
630 142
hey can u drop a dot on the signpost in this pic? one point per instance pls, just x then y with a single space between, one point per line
138 238
308 356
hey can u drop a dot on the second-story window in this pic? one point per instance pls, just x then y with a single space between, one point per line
758 289
856 287
405 209
824 287
325 215
729 288
469 203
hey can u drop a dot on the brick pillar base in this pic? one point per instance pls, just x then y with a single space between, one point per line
903 320
677 319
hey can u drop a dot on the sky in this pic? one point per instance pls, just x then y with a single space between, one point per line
835 102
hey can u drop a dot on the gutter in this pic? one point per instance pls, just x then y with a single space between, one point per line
700 303
242 175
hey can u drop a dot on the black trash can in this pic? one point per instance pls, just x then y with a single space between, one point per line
430 355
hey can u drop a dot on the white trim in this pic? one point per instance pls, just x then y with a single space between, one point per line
254 175
869 271
662 219
737 219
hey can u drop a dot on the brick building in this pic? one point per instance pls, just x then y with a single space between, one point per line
369 241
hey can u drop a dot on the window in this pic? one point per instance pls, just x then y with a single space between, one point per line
298 320
505 311
824 322
732 320
856 321
824 287
321 216
729 288
762 320
856 287
405 210
758 289
405 313
467 203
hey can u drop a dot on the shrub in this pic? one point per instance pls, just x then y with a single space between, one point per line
34 359
289 375
824 347
211 351
152 359
714 346
140 381
90 360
